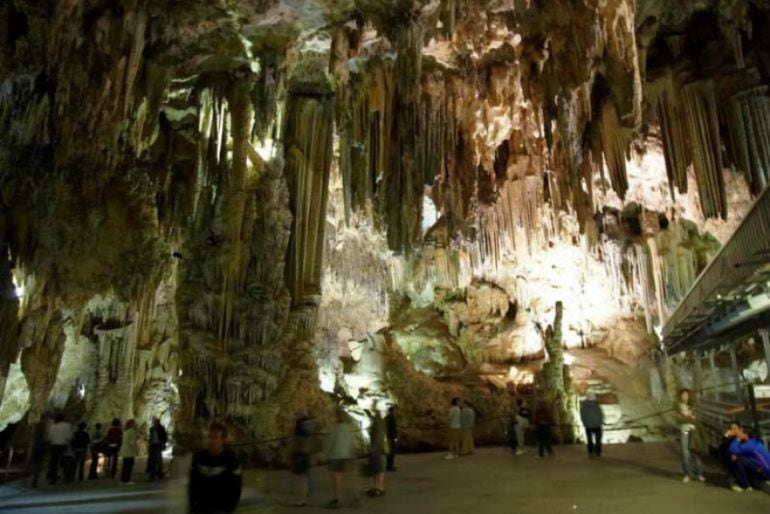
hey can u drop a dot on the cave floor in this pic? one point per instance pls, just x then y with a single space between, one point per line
631 478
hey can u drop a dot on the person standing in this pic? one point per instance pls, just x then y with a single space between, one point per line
59 436
215 476
523 419
377 453
692 467
454 434
36 453
340 454
467 426
543 420
80 442
391 430
128 451
112 444
97 442
157 439
305 446
593 420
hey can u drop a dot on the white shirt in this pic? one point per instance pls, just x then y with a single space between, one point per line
455 416
61 433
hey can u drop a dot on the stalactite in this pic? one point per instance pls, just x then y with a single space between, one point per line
673 130
749 129
615 142
308 146
703 135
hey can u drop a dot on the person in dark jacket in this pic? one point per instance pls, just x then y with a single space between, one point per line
112 444
391 431
97 446
593 419
157 440
80 443
215 476
543 421
750 459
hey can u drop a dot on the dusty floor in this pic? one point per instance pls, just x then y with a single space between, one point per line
632 478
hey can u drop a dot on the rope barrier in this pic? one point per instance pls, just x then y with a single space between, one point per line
626 425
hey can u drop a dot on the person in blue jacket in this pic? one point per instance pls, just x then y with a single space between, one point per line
751 459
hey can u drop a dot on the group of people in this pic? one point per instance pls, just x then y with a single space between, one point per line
68 447
746 457
341 453
461 424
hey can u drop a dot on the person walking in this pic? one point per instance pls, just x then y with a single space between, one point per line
112 443
59 436
467 426
593 420
377 453
391 431
305 447
36 454
340 455
215 476
454 434
543 420
128 451
692 467
157 440
80 442
97 445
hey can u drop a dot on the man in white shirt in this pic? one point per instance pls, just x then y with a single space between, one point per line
455 429
59 436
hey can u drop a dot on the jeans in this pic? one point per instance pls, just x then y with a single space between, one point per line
57 455
155 461
112 461
128 467
80 462
691 464
543 435
594 438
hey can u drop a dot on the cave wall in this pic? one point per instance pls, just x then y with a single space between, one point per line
223 196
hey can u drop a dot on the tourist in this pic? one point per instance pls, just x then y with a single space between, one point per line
454 434
305 446
377 452
156 443
391 430
80 442
692 467
340 454
543 420
523 418
593 419
59 437
97 444
467 425
36 453
723 453
215 476
750 460
112 445
128 451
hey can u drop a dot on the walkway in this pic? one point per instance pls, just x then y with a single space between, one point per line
632 478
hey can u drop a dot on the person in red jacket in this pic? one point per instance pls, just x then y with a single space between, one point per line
112 444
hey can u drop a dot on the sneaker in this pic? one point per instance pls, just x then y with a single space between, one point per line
685 479
701 478
334 504
749 489
449 456
519 452
736 488
300 503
